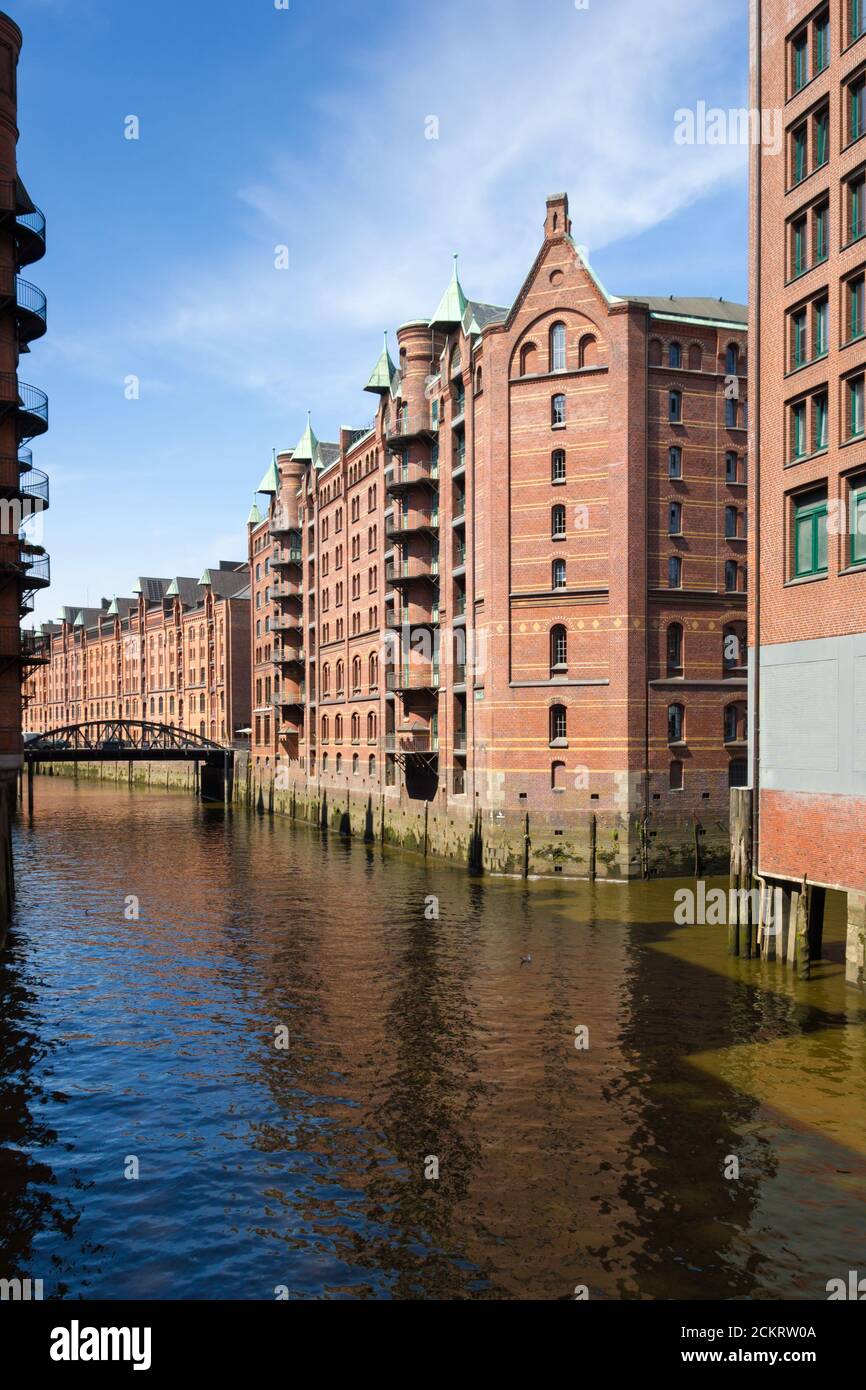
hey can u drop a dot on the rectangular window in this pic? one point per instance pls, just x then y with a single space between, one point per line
820 327
821 232
822 138
799 151
798 247
675 462
799 354
819 421
855 307
800 54
856 189
675 519
731 581
675 572
857 510
822 42
675 407
730 468
810 534
731 413
857 108
855 407
855 27
798 430
730 523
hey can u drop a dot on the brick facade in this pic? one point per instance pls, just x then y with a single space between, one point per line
485 603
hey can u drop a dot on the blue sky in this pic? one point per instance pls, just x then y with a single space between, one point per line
262 127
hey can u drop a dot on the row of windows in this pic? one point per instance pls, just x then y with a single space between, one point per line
355 726
813 520
558 353
809 47
737 776
338 764
675 359
357 672
808 418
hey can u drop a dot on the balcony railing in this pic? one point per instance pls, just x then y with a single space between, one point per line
414 741
413 519
290 656
422 676
460 741
33 487
287 588
31 403
406 475
407 426
32 310
286 555
26 645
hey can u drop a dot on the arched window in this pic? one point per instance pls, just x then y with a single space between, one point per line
655 353
587 353
675 780
326 679
528 360
374 671
557 777
696 357
478 380
675 461
676 723
371 765
558 724
356 727
558 574
675 519
356 764
338 728
340 673
371 726
557 521
325 728
557 411
732 723
734 648
339 763
732 360
675 649
558 648
558 358
732 576
675 407
356 673
675 355
324 762
557 466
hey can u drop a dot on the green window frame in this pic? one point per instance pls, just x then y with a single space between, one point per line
798 430
799 247
855 407
822 240
857 108
856 14
800 46
855 307
819 422
822 138
857 510
799 354
822 42
821 318
810 535
855 198
801 145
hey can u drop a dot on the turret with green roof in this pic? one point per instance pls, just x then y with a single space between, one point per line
383 372
452 305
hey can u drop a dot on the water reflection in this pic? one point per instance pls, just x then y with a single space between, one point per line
431 1129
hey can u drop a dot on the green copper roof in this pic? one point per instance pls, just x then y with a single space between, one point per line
271 481
255 516
113 609
308 445
383 372
452 305
172 591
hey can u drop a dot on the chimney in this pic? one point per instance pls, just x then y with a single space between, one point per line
558 222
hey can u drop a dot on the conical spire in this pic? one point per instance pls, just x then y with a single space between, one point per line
383 372
271 481
255 516
307 447
452 305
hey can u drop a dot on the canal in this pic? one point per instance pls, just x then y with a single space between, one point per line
234 1056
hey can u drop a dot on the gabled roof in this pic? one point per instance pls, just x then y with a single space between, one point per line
452 305
383 372
119 607
478 316
87 617
227 583
326 456
184 587
151 588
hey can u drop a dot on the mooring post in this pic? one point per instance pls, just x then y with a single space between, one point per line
816 923
426 819
526 845
30 786
735 872
804 969
593 845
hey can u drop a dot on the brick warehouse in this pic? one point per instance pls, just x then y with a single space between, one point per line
808 612
24 566
176 652
521 591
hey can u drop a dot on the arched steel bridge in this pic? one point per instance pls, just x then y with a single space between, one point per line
120 739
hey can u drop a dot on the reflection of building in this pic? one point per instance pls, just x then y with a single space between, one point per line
808 617
508 593
24 566
176 653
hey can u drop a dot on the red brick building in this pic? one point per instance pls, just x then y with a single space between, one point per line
24 566
808 611
509 594
176 652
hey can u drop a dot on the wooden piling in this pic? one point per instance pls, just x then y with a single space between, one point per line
593 845
801 933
